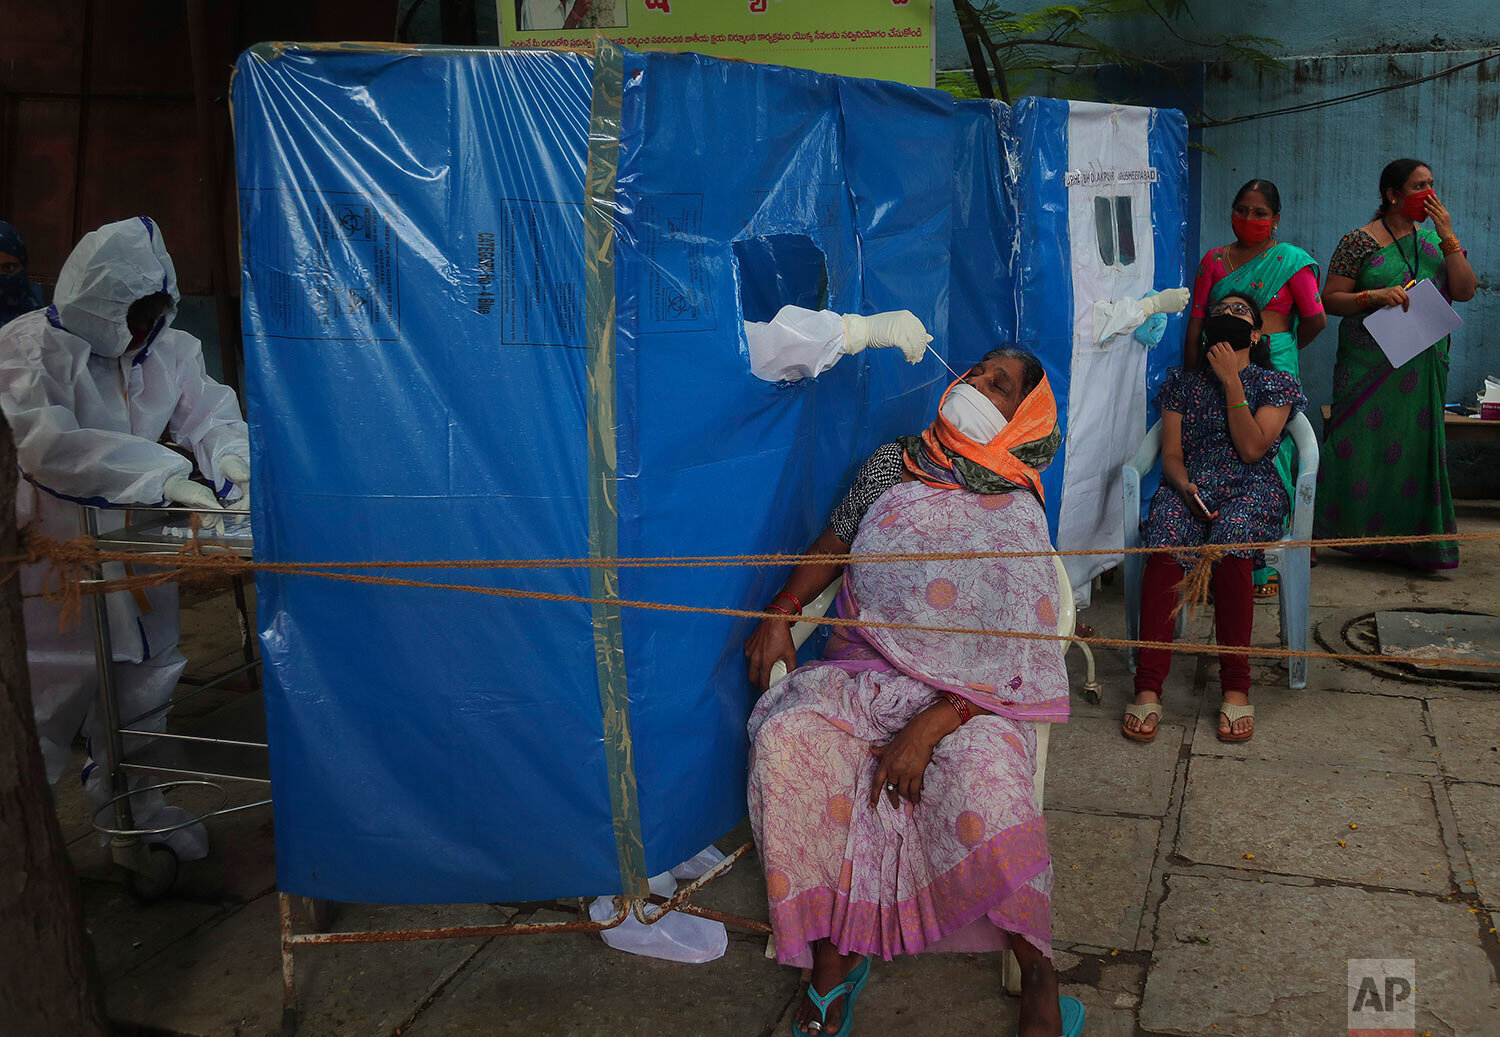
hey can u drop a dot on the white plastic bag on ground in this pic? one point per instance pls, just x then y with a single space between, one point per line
698 865
676 937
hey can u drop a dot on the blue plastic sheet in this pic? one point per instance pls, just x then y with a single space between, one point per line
434 371
1037 151
413 228
982 308
1169 201
712 460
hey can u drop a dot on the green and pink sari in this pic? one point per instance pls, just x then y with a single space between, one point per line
1384 470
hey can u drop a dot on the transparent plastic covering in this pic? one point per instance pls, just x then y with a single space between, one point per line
492 310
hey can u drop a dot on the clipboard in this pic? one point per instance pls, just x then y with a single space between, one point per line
1402 334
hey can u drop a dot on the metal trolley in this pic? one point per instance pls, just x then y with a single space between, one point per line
228 745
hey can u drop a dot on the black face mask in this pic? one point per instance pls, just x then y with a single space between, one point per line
1226 327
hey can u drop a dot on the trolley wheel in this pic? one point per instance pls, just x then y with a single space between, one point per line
157 876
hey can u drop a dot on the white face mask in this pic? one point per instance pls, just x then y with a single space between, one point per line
973 413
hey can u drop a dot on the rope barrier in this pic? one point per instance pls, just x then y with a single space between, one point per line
190 558
71 560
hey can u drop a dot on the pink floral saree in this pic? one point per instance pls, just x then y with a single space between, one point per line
970 863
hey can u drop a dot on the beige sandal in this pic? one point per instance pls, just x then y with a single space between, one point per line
1142 711
1229 711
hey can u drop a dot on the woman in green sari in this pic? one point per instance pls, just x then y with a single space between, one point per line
1384 470
1282 280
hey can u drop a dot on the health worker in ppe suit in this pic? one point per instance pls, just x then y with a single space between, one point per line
800 343
90 386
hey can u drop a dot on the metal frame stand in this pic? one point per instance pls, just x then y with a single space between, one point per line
149 872
647 910
151 867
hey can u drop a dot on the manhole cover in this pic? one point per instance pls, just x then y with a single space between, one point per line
1417 633
1441 635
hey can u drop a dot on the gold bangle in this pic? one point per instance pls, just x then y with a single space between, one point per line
1450 245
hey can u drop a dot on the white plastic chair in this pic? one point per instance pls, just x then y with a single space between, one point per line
1293 563
1067 621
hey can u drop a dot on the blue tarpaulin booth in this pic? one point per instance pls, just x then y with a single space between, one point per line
493 308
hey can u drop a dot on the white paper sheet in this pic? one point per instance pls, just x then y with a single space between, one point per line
1402 334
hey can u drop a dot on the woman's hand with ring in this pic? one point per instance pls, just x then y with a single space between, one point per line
903 762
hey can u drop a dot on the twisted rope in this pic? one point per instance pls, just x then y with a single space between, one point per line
196 564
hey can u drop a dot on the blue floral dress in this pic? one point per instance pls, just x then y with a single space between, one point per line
1250 498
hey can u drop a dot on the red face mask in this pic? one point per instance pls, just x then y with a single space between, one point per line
1249 232
1414 206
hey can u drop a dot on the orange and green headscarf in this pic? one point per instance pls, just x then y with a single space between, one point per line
945 458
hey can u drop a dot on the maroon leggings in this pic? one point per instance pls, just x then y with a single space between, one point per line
1234 610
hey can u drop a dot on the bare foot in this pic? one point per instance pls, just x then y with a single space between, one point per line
830 968
1242 726
1041 1015
1134 723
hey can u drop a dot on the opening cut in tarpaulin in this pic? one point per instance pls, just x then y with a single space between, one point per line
779 270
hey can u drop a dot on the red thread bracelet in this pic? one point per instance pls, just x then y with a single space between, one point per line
773 607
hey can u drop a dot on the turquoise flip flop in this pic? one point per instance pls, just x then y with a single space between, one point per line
1072 1016
851 986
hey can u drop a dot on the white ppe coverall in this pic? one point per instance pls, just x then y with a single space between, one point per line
87 417
800 343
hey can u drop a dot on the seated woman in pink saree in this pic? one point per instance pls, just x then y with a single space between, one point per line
891 783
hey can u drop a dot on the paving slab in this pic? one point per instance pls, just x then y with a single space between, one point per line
1342 580
1109 1014
573 984
907 996
1262 959
126 932
225 978
1468 737
1091 766
1477 808
1101 871
1292 819
1333 675
1326 727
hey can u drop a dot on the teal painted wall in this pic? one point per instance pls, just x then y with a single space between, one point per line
1327 162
